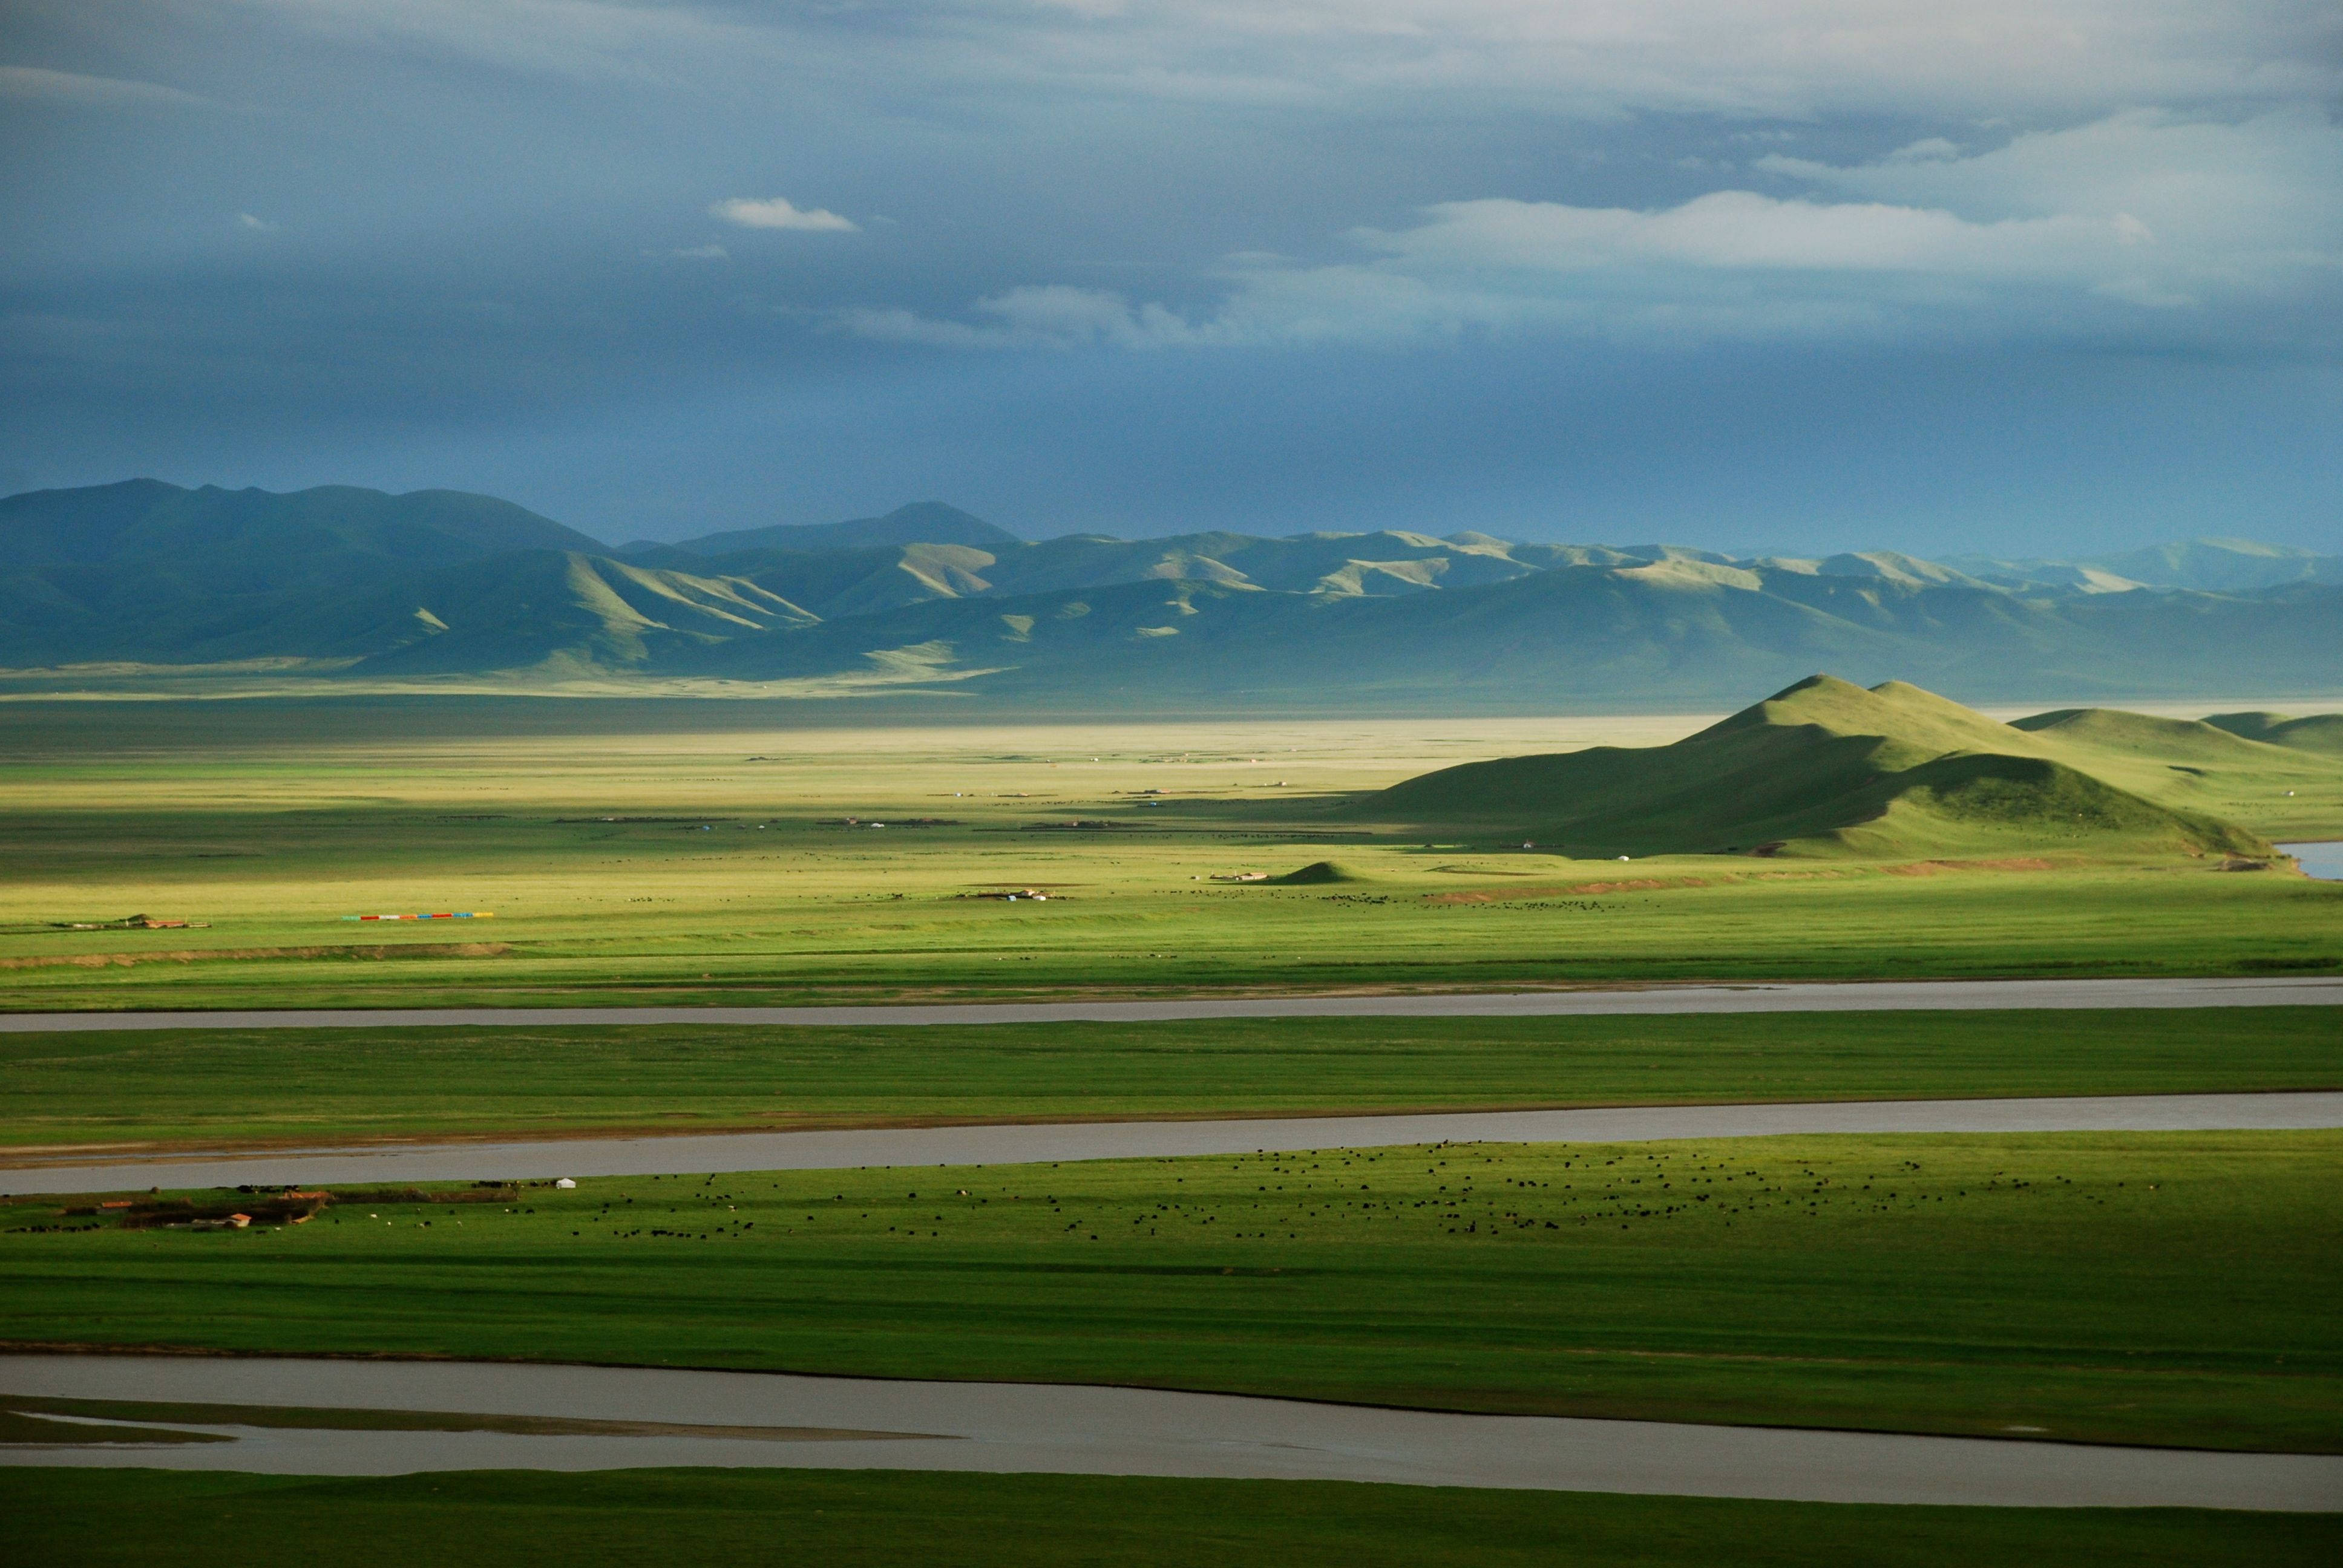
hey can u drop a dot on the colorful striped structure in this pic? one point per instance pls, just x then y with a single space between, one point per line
457 915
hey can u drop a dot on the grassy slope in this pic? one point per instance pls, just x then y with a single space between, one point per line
2199 766
300 1086
2316 732
1827 767
2130 1287
88 1519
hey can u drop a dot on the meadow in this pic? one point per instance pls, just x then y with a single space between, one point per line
2163 1288
624 860
860 1519
248 1088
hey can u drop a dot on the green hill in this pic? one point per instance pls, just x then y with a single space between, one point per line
2111 731
2198 766
1823 767
2317 732
1319 874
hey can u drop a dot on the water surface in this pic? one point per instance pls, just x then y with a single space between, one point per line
704 1153
2322 860
854 1423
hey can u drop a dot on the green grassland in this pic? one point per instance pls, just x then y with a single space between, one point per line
2162 1288
253 1087
625 859
861 1519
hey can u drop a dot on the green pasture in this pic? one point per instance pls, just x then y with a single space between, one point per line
2163 1289
720 865
629 913
864 1519
245 1087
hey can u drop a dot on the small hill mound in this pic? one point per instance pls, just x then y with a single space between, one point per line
1317 873
2111 729
1823 767
2314 732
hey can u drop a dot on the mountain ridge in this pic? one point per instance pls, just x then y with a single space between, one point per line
918 523
340 583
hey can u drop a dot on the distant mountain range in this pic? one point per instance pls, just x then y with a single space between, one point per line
344 583
2208 566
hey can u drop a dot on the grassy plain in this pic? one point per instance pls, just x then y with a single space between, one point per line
2170 1288
860 1519
626 860
249 1087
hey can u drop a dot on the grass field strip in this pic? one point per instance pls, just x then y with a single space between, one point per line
1025 1143
1080 1430
698 868
1888 996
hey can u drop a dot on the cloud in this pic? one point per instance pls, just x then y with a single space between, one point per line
1789 59
244 220
583 40
1927 150
1050 315
1738 230
2093 226
30 83
2220 208
779 212
1610 58
691 253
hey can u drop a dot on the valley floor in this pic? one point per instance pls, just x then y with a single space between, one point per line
789 866
2160 1288
2166 1289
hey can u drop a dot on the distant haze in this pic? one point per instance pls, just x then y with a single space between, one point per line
2049 278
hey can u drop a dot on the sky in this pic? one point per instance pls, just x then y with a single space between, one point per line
2003 277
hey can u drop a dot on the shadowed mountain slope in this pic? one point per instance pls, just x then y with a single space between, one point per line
143 570
921 523
335 531
552 610
839 584
1822 768
586 613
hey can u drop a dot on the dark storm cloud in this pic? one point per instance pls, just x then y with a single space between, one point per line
1804 272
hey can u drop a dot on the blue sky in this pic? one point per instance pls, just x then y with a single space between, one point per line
2057 275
